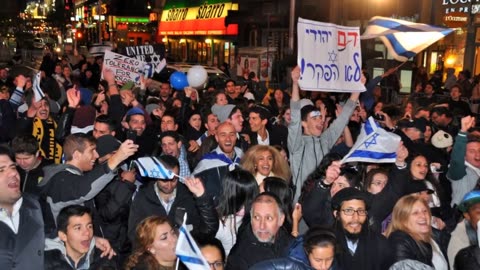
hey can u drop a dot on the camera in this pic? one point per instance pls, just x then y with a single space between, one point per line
379 117
131 135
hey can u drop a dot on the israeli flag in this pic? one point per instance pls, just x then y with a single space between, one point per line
153 168
187 250
37 90
403 39
374 145
148 70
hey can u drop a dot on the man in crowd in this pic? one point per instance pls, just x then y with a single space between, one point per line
307 142
465 234
232 114
262 239
215 165
263 133
350 209
30 163
75 246
103 125
21 223
78 180
167 197
171 145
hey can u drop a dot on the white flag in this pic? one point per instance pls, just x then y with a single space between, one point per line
152 167
37 91
374 144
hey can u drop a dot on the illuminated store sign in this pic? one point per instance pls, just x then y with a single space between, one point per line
205 19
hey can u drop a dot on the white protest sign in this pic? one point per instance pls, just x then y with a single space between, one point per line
124 68
329 57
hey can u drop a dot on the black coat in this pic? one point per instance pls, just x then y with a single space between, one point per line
372 253
278 136
249 251
405 247
29 180
55 260
200 211
317 206
468 258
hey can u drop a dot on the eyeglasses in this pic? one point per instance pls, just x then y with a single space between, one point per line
350 212
216 265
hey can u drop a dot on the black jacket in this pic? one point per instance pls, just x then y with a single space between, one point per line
317 206
468 258
29 179
405 247
372 253
113 207
249 251
278 135
55 260
200 211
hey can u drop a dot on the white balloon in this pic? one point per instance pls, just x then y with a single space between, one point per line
197 76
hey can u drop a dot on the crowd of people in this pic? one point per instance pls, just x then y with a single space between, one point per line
257 173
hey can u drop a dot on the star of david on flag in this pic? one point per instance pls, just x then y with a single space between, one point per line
187 250
374 144
153 168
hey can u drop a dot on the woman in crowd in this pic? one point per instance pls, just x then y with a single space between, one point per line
155 245
239 189
263 161
213 252
315 250
410 234
376 180
285 117
280 99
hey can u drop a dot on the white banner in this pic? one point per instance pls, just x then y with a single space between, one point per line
329 57
125 68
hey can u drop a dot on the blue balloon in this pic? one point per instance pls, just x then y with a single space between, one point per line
178 80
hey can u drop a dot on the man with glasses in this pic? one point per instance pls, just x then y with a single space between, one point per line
364 248
168 197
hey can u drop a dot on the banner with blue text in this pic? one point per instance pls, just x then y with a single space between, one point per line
329 57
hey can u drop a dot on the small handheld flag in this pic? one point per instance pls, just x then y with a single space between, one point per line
148 70
37 90
187 250
152 167
374 144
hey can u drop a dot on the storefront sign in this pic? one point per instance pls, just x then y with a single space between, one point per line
206 19
329 57
464 6
455 19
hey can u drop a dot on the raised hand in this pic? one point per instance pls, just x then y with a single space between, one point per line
126 149
73 97
195 186
295 74
332 173
467 123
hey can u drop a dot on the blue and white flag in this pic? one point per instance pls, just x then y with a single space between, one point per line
403 39
153 168
374 144
187 250
147 70
37 90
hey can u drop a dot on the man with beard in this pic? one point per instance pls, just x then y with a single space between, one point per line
169 198
362 247
264 238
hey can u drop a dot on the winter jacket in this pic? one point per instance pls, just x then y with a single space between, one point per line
317 206
56 258
410 265
297 259
372 253
468 259
113 207
29 180
462 175
405 247
249 251
23 250
65 185
306 152
200 211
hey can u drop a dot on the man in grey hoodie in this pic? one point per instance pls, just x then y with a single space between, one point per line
307 142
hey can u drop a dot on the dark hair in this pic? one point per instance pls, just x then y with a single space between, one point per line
280 187
306 110
230 80
170 133
371 174
233 111
6 151
211 241
263 112
170 162
105 119
70 211
171 113
442 111
25 144
239 190
352 176
318 236
76 142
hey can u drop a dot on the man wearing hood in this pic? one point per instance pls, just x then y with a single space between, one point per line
74 248
362 248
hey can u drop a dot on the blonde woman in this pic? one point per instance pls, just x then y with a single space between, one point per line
410 234
263 161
